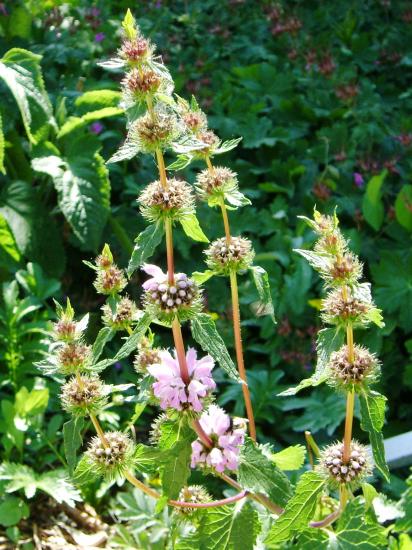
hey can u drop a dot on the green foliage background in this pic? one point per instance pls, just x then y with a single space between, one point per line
320 93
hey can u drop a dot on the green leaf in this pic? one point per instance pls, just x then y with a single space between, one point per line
236 198
355 531
129 25
12 510
258 474
104 336
56 484
229 528
129 346
9 252
372 406
227 146
372 205
83 187
328 341
20 22
75 123
72 435
201 277
403 207
191 227
2 147
405 523
31 403
97 99
127 151
21 71
291 458
265 304
181 162
146 243
205 333
177 469
299 510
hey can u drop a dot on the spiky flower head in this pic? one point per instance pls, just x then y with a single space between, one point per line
155 130
141 83
147 355
165 301
135 49
156 428
83 395
73 357
340 307
211 142
175 201
110 281
66 329
346 269
195 494
193 118
121 315
223 256
212 186
105 259
113 458
172 390
226 437
362 371
339 472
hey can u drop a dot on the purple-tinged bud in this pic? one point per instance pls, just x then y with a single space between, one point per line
112 459
124 314
176 201
83 395
73 357
136 51
110 281
340 308
363 370
141 83
338 472
223 256
212 186
155 130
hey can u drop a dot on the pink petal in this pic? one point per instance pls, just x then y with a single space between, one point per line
154 271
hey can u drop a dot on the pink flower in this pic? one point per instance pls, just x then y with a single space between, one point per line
99 37
170 387
157 276
358 179
96 127
227 437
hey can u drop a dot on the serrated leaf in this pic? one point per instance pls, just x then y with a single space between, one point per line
201 277
328 341
320 261
372 205
356 532
129 346
227 146
181 162
191 227
403 207
205 333
291 458
229 528
146 243
372 406
258 474
299 510
127 151
176 472
97 99
72 431
20 69
74 123
261 280
236 198
56 484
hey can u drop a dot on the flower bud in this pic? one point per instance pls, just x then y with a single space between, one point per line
352 472
73 357
195 494
141 83
340 309
105 259
136 51
83 395
345 270
165 301
211 142
195 120
114 458
176 201
65 330
363 370
155 130
156 428
213 185
235 255
124 314
110 281
146 357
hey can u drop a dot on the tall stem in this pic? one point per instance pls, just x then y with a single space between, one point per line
350 403
169 251
99 430
225 219
180 350
239 354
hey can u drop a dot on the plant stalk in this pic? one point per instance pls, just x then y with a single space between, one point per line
169 251
225 219
239 354
99 430
180 350
350 403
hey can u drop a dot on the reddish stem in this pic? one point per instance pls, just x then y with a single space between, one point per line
213 504
180 350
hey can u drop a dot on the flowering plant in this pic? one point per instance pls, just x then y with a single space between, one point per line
193 435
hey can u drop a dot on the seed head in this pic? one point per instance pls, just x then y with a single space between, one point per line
155 131
331 243
350 473
83 395
211 142
141 83
65 330
364 369
110 281
345 270
340 309
195 494
212 186
73 357
111 460
136 51
123 316
175 201
166 301
224 257
195 120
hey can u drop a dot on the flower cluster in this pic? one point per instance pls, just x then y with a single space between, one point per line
224 256
176 201
172 390
165 301
111 457
363 369
213 186
193 494
352 471
120 314
155 130
226 438
83 395
147 355
110 280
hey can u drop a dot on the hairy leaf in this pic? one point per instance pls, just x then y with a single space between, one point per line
205 333
72 435
265 304
191 227
291 458
145 246
299 510
9 252
104 336
258 474
372 205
